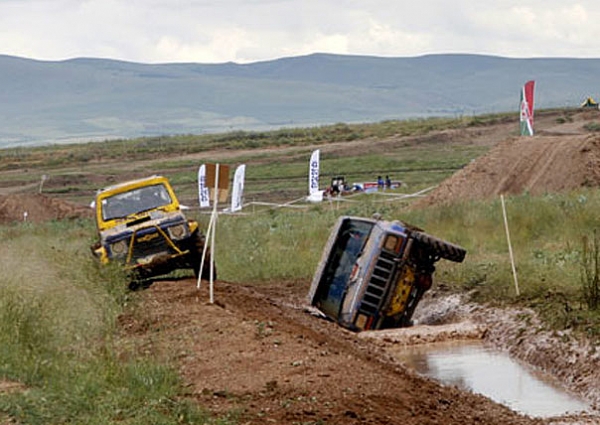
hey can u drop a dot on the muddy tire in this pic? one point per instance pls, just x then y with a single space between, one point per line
196 250
440 248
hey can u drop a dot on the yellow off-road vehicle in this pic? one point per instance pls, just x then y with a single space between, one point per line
140 224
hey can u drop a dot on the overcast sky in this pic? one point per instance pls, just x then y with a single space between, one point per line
216 31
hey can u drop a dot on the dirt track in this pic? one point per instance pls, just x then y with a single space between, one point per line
258 353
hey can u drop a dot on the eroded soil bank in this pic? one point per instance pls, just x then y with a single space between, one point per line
257 355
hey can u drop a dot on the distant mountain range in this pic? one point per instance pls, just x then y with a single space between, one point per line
97 99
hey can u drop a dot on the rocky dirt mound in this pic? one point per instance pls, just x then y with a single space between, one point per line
538 165
37 208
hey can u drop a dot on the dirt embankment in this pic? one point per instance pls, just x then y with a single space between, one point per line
38 208
538 165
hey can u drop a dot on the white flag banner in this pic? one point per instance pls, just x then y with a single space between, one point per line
314 194
238 188
203 193
313 173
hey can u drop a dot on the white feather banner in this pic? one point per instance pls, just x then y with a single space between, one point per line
313 173
203 192
238 188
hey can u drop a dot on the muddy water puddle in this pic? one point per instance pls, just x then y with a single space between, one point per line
475 367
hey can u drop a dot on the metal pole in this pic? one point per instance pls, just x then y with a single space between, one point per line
510 251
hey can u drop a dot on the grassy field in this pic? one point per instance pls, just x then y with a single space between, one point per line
58 308
276 161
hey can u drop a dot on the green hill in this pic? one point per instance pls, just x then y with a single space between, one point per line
98 99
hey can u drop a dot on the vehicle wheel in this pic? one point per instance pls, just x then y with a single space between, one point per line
438 247
139 280
196 250
395 322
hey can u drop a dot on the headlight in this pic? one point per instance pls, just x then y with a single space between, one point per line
177 232
119 248
391 242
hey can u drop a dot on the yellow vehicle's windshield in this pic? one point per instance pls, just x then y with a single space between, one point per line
135 201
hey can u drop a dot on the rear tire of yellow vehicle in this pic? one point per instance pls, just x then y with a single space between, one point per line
198 241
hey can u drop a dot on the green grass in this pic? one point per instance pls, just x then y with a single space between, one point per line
547 236
271 246
58 313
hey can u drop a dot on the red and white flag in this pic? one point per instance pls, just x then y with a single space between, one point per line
527 109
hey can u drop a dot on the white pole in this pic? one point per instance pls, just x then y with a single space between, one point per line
510 252
204 249
212 242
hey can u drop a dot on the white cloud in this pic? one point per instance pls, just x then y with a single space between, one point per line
252 30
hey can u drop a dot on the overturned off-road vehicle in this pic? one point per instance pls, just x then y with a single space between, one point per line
373 273
140 224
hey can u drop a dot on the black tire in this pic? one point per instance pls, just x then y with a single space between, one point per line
138 280
196 250
440 248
